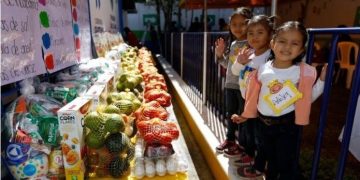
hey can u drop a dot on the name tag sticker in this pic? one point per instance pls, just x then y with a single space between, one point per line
281 96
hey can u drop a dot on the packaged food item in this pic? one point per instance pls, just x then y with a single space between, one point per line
49 130
155 151
98 93
107 80
70 119
24 162
56 163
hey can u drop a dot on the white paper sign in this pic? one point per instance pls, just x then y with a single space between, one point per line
20 45
57 34
84 25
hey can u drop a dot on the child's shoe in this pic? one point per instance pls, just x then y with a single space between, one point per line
233 151
225 145
245 160
249 172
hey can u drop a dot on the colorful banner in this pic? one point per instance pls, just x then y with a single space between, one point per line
57 40
20 46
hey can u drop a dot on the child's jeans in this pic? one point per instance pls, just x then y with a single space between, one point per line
247 136
277 141
234 104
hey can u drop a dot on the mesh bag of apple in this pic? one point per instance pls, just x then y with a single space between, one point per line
157 135
109 149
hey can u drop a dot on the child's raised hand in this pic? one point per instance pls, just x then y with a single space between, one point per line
219 47
243 56
323 72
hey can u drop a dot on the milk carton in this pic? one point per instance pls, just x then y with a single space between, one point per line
71 123
107 80
98 93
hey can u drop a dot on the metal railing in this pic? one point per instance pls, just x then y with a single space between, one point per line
193 60
355 90
176 55
208 83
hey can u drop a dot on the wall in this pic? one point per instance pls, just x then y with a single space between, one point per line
321 13
135 21
104 14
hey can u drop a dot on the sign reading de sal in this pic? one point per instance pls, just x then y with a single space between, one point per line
20 42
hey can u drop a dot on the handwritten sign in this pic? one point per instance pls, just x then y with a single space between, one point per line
84 25
282 99
57 34
20 49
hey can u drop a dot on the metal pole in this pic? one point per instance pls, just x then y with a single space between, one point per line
273 11
172 53
205 16
310 49
204 69
273 7
121 24
323 112
182 55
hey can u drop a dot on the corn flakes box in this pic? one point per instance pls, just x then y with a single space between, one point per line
71 123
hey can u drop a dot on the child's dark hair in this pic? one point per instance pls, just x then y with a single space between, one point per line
265 21
242 11
291 25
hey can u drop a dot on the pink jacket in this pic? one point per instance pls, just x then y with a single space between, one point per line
302 106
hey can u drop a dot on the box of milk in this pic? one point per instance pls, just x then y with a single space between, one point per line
98 93
107 80
71 123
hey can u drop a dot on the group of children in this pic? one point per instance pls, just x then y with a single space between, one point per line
268 94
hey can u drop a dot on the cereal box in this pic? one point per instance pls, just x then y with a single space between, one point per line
70 119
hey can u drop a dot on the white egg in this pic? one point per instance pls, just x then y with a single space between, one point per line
171 166
139 162
139 171
150 169
138 154
139 146
138 151
160 167
182 166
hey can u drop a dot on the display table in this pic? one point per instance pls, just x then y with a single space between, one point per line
180 148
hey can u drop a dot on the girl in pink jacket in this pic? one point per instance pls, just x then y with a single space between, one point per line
280 94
